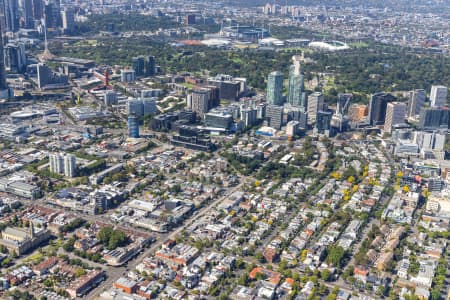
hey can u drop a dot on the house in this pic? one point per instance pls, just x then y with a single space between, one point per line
270 254
343 295
43 267
383 260
271 276
372 256
361 273
307 289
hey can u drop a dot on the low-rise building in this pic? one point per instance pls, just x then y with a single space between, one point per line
83 284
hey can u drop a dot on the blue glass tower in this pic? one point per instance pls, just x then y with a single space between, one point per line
275 88
133 127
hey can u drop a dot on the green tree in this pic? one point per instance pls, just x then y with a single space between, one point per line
335 256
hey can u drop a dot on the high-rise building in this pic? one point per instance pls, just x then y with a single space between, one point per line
110 98
15 58
295 96
52 12
434 118
249 116
315 103
63 164
11 13
3 85
395 114
201 100
150 66
377 108
274 114
218 119
190 19
438 96
133 127
48 14
415 102
275 88
292 128
430 140
198 101
138 64
148 106
70 166
38 9
229 88
44 75
28 14
56 162
127 75
141 107
214 96
68 19
261 111
323 121
46 78
56 12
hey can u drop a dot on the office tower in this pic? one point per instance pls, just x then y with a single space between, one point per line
395 114
315 103
38 9
11 13
201 100
249 116
70 166
261 111
138 64
3 85
56 162
127 75
15 58
50 21
28 14
148 106
150 66
68 19
296 84
190 19
438 96
292 128
377 108
415 103
274 115
56 12
214 96
323 121
434 118
110 98
439 140
141 107
219 119
198 101
229 88
133 127
44 75
275 88
430 140
135 107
